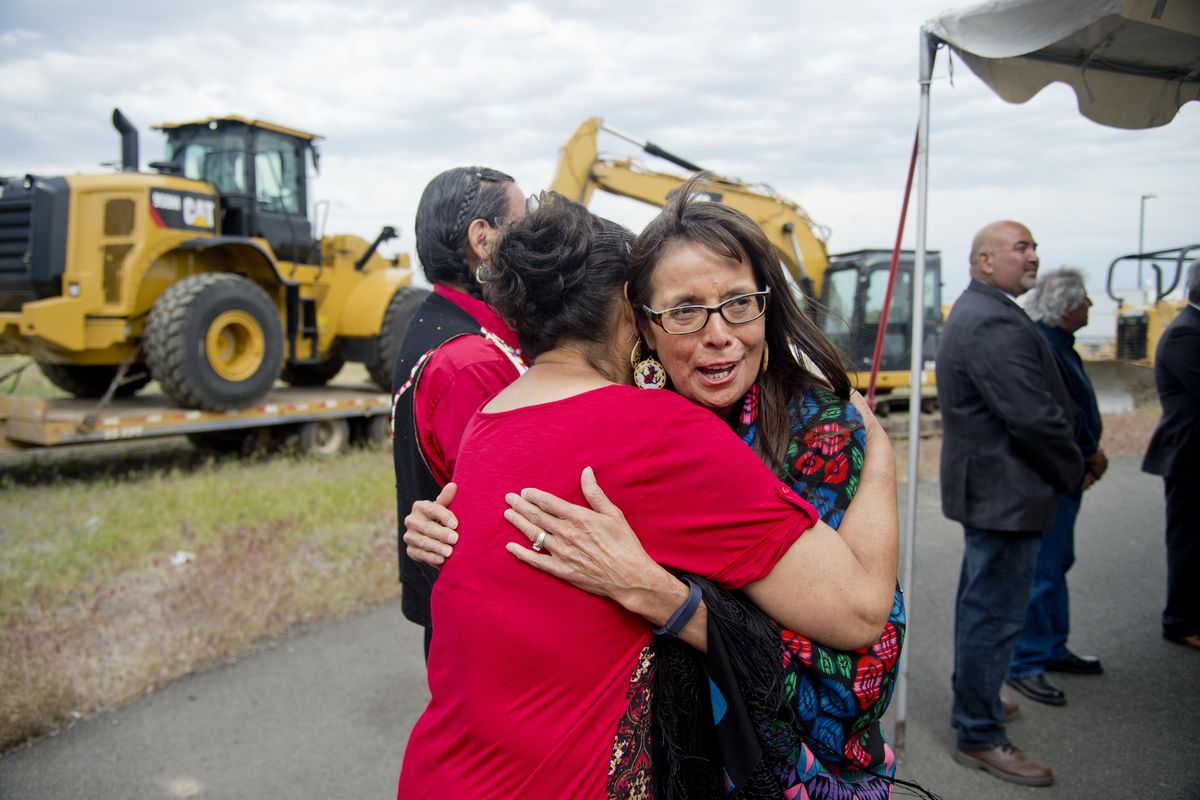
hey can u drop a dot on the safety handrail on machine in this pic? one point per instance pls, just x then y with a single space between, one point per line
1180 255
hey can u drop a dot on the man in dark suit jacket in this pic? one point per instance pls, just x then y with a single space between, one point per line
1008 451
1174 453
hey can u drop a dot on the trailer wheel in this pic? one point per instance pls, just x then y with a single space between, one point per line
214 341
324 437
92 381
391 333
313 374
371 431
245 442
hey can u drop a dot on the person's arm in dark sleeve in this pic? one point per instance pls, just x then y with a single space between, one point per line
1010 377
1180 357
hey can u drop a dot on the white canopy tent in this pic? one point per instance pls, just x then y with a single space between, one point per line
1131 63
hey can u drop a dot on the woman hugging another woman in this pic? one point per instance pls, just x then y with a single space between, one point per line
802 632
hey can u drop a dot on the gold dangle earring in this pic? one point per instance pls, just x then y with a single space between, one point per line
483 271
766 353
648 373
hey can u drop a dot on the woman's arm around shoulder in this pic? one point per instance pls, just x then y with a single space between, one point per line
430 529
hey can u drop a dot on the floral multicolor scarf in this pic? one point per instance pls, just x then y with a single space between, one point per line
793 718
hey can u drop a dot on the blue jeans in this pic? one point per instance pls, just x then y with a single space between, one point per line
1048 620
993 594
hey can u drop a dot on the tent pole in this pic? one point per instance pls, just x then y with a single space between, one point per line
928 49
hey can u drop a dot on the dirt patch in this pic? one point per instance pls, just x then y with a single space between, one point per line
147 628
1127 434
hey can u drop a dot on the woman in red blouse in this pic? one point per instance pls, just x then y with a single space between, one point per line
530 677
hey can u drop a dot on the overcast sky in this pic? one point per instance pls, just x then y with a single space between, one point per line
819 100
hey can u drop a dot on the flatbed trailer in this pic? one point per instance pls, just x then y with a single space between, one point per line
323 418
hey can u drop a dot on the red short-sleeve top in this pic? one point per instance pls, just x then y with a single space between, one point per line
530 676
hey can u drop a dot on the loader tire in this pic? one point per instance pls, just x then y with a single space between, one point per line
92 381
214 341
313 374
399 313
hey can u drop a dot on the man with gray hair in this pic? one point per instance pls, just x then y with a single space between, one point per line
1008 451
1174 453
1059 305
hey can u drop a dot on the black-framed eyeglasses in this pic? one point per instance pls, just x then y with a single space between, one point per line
691 318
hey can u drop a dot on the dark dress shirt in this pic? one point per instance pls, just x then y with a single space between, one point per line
1088 425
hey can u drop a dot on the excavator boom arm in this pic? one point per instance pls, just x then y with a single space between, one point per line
581 170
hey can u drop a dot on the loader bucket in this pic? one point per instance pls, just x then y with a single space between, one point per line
1121 385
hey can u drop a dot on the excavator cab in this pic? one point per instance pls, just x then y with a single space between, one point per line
260 172
851 309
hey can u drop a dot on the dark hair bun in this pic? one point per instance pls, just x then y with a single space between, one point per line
556 273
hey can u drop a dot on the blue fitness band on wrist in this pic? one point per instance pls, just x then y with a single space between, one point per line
683 614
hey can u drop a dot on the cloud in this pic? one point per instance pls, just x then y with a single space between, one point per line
817 100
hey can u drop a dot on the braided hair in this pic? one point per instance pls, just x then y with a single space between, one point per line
450 203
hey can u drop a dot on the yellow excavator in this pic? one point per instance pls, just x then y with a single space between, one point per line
843 292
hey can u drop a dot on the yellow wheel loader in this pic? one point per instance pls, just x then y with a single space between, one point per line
1140 325
204 274
1123 375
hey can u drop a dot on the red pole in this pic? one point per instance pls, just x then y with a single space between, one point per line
919 308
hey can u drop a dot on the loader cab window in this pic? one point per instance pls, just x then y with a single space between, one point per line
213 157
279 212
276 177
311 164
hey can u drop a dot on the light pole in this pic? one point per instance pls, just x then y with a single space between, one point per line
1141 233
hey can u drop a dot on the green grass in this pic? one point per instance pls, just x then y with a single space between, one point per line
58 539
93 611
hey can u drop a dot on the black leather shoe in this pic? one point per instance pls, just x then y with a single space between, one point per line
1076 665
1036 687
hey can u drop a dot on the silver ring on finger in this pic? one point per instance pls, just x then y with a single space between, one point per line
537 543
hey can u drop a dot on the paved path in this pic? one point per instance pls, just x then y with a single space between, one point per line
324 712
